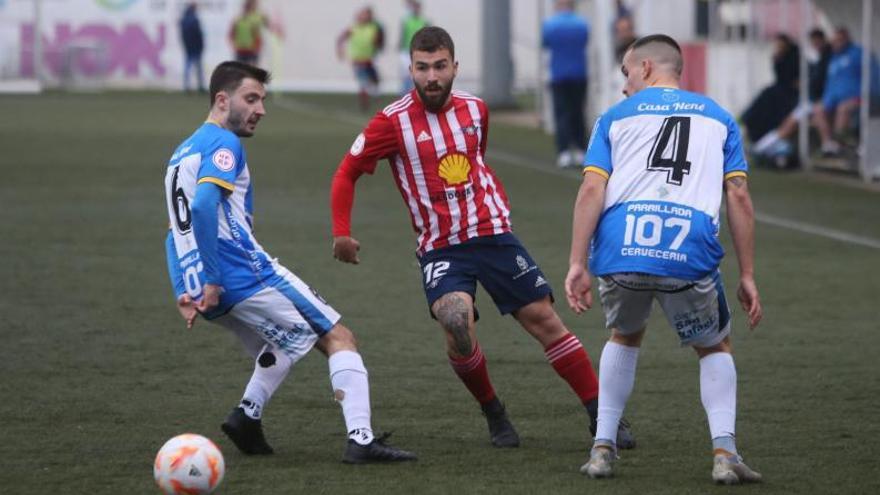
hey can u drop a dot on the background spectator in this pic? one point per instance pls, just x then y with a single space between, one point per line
193 45
565 35
624 35
777 101
362 42
246 33
776 145
412 21
842 93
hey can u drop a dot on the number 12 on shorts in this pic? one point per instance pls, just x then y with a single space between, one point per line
434 271
647 230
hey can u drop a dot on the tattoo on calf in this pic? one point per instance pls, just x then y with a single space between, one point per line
452 313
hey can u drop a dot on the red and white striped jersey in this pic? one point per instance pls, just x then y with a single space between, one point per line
438 164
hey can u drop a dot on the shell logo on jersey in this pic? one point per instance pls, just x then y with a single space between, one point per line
224 159
454 168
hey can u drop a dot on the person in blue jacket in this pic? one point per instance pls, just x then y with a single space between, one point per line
565 35
842 95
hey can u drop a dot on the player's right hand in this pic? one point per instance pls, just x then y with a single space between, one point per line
346 248
578 287
187 308
210 297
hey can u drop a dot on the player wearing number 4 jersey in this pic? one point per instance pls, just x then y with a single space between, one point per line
656 168
435 141
219 270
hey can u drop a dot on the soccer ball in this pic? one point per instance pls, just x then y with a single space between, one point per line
188 464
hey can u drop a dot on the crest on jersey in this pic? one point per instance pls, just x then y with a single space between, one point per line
454 168
522 263
224 159
358 145
669 96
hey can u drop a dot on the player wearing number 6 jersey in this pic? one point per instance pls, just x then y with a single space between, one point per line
219 270
656 168
435 141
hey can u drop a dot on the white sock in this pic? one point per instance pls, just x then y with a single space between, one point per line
351 388
270 369
718 392
617 375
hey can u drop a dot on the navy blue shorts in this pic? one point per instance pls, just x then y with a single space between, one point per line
500 263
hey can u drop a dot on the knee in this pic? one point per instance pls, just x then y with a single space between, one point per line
633 339
723 346
540 320
339 338
454 313
849 106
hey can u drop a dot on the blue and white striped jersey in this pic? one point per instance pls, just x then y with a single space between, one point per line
666 153
213 154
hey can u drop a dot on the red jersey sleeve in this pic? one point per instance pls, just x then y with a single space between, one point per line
377 141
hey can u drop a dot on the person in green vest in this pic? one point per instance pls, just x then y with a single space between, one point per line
245 34
412 21
361 43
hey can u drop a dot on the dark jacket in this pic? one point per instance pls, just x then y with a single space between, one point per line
191 32
818 72
787 68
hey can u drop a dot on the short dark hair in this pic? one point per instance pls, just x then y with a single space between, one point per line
677 61
817 33
228 77
431 39
655 38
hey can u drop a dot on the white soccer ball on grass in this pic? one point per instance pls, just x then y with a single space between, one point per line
189 464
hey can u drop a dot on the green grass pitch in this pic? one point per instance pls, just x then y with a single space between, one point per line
98 371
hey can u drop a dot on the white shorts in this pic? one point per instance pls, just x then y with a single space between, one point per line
697 310
290 316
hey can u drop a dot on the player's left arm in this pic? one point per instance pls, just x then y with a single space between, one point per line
216 177
741 221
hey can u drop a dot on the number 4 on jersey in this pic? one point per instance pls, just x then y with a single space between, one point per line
671 159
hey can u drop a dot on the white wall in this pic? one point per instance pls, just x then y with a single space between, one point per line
305 59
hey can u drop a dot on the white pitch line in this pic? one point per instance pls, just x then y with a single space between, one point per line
785 223
550 168
808 228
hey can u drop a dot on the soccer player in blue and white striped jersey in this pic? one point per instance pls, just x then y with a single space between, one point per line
647 217
219 270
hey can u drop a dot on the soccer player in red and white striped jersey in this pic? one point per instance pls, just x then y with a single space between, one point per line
434 139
